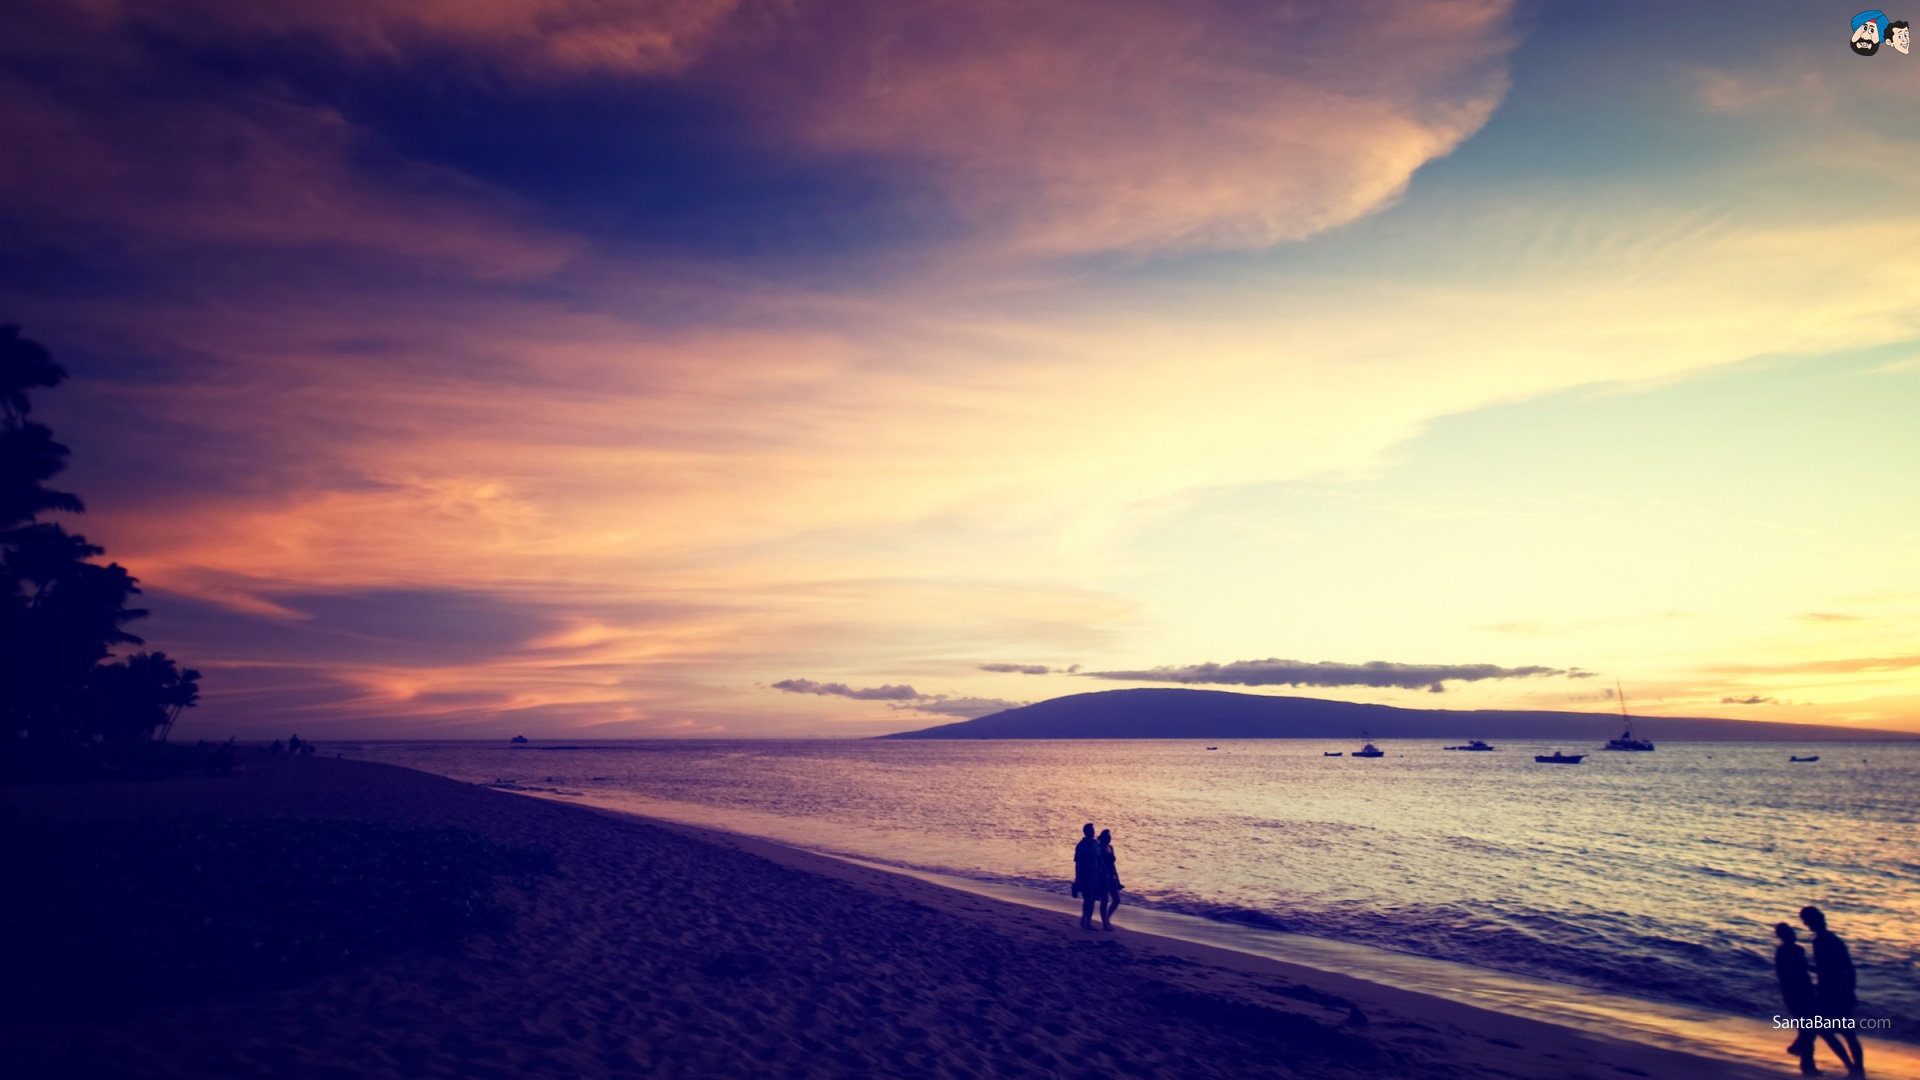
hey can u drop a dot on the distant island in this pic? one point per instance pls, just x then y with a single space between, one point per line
1218 714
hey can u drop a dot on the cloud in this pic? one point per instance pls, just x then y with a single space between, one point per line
232 168
1830 616
539 38
1147 125
1068 127
964 707
1018 669
868 693
1752 699
1848 666
914 701
1377 673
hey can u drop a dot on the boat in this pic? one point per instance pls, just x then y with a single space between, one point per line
1473 744
1558 758
519 740
1213 748
1815 757
1626 741
1332 753
1369 750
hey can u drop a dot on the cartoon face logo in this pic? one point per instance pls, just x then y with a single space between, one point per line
1900 36
1868 29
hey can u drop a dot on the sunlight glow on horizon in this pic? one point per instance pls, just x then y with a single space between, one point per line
1442 354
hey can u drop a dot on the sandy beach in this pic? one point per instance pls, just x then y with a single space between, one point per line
664 950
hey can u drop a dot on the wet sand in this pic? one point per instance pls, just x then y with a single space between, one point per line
669 951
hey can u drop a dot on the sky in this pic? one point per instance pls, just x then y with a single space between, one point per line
589 368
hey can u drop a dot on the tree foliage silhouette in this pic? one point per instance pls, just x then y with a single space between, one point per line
62 614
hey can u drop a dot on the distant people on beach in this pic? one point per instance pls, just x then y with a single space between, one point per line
1110 898
1089 875
1801 1000
1834 993
226 760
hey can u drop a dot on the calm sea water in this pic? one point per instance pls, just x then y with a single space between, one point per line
1657 875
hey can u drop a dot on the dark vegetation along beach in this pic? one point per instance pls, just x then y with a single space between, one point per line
315 917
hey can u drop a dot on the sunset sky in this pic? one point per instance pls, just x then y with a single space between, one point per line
834 367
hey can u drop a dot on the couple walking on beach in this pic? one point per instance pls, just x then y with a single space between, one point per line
1095 879
1825 1009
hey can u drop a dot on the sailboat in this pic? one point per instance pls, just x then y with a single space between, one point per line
1626 741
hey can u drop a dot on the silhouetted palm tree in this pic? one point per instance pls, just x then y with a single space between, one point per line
61 614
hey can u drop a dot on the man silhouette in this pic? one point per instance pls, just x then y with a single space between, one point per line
1802 1002
1089 874
1835 989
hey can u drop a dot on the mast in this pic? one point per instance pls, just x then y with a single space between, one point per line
1621 696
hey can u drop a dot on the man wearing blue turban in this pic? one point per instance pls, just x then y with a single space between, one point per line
1869 27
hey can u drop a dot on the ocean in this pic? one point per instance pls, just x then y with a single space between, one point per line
1653 875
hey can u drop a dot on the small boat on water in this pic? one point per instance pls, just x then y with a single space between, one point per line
519 740
1474 744
1213 748
1369 750
1815 757
1626 741
1332 753
1558 758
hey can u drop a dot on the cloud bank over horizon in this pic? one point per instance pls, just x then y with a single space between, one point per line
1375 673
907 697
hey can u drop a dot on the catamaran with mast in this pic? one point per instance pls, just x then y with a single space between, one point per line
1626 741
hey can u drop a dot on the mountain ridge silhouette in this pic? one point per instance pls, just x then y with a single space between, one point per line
1156 713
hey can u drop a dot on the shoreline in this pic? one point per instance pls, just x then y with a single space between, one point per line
665 949
1362 970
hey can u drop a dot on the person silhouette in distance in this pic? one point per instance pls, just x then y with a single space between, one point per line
1834 992
1797 992
1110 891
1089 874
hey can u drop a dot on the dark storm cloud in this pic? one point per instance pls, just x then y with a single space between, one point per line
1378 673
834 689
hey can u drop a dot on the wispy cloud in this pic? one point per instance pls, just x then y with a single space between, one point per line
1377 673
1845 666
1751 699
1027 669
964 707
910 700
865 693
1091 125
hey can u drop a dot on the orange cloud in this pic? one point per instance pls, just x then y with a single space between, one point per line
1093 125
1065 127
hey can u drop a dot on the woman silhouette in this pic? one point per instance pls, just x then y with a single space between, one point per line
1797 993
1111 901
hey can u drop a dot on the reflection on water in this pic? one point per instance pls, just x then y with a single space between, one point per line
1653 874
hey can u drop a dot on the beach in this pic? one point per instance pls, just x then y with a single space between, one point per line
654 949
